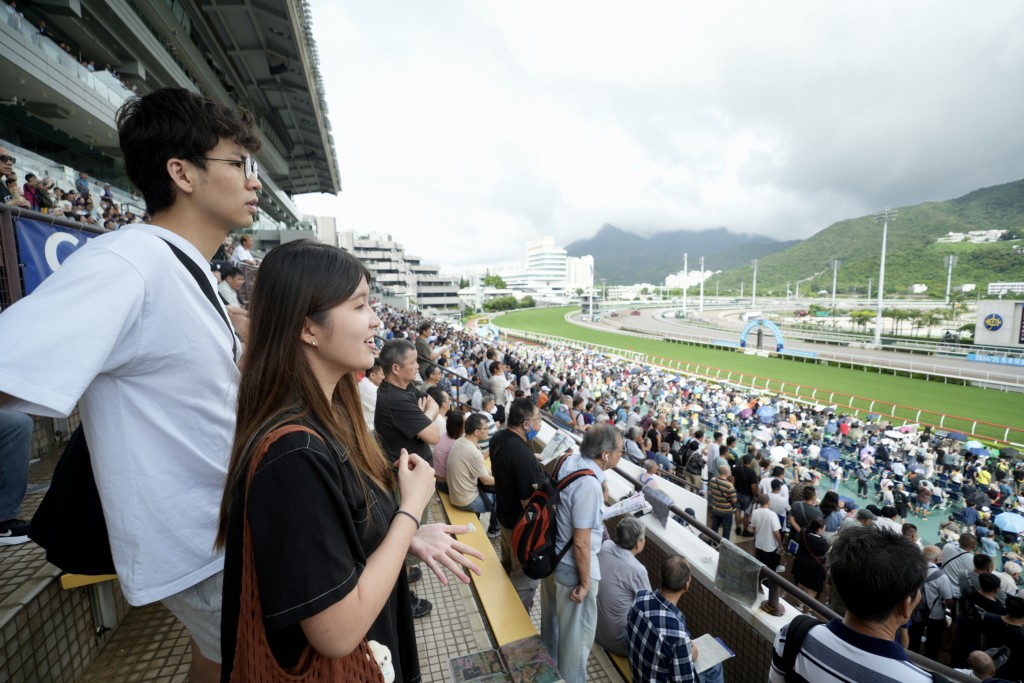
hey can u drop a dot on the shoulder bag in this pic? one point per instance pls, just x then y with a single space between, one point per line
254 661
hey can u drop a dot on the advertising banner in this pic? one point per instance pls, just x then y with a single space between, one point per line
43 247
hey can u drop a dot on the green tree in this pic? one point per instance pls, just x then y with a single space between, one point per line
527 302
494 281
861 318
579 291
501 303
929 319
463 282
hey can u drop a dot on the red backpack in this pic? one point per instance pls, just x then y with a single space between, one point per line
534 535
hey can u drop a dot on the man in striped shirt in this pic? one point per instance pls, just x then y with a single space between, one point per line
879 576
722 496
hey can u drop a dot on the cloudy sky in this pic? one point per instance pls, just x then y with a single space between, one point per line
466 128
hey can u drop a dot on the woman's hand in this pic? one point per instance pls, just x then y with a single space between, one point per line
415 482
435 545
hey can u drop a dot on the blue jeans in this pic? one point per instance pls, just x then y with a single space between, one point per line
722 520
567 627
484 502
713 675
15 452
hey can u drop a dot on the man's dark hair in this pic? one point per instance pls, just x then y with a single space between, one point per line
438 394
394 353
453 426
968 541
675 572
874 570
729 441
778 471
375 367
1014 606
776 485
424 326
174 123
474 422
810 492
229 271
983 562
989 582
699 434
520 411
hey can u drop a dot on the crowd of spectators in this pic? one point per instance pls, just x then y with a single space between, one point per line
768 463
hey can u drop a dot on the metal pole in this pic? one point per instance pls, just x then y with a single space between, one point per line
869 289
753 291
835 271
883 216
701 284
686 280
950 262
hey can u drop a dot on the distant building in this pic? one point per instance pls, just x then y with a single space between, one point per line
973 237
1006 288
550 271
918 289
399 274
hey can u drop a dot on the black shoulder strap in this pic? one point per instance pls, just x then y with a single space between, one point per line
204 284
795 635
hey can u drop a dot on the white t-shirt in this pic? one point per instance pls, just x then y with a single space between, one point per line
241 254
123 330
765 523
368 394
228 293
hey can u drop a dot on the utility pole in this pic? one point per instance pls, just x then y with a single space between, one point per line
869 289
686 280
882 217
950 262
753 291
701 284
835 271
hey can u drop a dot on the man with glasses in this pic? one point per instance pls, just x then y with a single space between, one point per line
516 471
127 333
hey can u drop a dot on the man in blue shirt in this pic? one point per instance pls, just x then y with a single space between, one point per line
659 647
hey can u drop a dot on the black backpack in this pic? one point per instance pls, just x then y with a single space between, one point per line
535 533
695 463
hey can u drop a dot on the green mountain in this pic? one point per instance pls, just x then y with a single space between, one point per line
621 257
912 256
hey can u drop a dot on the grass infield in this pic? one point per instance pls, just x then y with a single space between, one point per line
970 403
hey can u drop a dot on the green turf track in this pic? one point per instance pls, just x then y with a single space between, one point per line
968 402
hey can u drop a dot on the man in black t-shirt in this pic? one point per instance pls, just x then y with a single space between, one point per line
746 481
516 471
402 418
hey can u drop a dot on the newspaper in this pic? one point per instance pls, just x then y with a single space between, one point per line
625 506
710 651
558 445
479 667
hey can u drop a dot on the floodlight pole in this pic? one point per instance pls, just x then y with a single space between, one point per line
835 272
883 217
753 290
950 262
701 284
686 280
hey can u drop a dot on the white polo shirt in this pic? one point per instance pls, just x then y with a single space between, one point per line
123 330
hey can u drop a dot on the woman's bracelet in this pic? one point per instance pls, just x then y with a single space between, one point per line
407 514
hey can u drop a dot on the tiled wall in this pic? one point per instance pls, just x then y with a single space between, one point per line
52 637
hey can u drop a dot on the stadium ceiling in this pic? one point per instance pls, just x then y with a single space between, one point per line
270 46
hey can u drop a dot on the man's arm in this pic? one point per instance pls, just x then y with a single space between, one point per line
486 479
581 553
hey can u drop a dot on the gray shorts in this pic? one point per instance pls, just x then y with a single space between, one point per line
198 607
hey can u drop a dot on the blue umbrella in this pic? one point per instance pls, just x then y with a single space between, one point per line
957 436
1010 522
978 451
873 416
831 453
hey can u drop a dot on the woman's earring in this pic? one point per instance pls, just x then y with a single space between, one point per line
313 343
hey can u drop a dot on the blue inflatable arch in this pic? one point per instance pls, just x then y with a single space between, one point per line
772 327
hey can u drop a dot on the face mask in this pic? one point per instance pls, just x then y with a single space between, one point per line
493 410
530 433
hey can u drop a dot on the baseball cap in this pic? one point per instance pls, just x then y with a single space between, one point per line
864 513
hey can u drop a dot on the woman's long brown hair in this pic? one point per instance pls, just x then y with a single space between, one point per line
297 280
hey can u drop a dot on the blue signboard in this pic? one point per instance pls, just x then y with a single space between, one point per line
43 247
998 360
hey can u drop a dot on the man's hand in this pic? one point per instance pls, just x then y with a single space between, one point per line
693 653
579 593
429 407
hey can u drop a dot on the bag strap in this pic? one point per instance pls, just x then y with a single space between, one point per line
204 284
795 635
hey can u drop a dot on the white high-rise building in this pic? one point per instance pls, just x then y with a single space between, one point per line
548 269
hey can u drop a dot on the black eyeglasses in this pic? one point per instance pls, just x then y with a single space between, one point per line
7 159
246 163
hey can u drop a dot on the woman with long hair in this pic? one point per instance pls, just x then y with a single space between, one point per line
315 504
